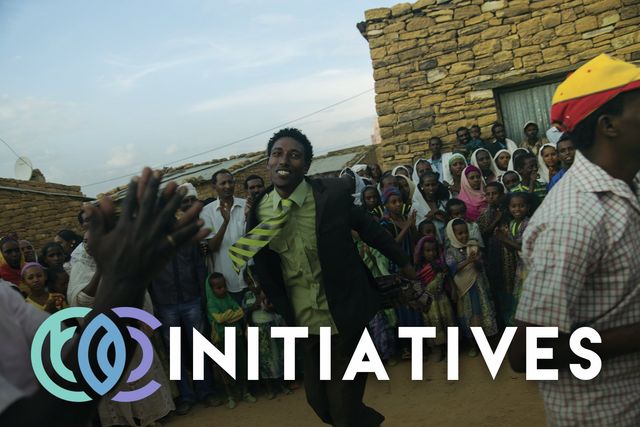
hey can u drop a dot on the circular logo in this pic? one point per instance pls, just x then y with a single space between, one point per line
105 338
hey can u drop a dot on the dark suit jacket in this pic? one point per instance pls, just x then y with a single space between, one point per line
349 286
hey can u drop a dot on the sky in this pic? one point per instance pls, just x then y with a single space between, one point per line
91 90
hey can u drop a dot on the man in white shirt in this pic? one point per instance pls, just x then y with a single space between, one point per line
226 219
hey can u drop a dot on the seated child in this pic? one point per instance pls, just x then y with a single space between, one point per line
223 311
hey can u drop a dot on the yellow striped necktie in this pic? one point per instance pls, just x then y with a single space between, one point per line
251 243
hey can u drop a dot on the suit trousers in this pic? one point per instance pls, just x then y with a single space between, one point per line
335 401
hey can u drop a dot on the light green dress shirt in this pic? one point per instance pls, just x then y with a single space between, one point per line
298 249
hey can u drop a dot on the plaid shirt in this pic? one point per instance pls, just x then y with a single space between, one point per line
581 248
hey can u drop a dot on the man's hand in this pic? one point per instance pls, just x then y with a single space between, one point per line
225 211
131 251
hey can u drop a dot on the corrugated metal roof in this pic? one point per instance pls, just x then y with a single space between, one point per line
333 163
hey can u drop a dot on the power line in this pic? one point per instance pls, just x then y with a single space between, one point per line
237 141
10 148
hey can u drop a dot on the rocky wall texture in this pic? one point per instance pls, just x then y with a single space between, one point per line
38 210
437 62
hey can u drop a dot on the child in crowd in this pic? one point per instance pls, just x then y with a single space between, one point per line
490 220
481 158
260 313
57 281
453 173
548 163
223 311
428 229
501 160
472 192
403 229
527 166
435 196
35 277
511 180
471 288
456 208
431 270
371 202
519 206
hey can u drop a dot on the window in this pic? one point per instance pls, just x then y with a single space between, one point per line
521 104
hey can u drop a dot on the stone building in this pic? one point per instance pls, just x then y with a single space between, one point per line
36 211
440 64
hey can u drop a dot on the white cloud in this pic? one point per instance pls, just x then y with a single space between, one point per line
273 19
326 86
172 149
122 156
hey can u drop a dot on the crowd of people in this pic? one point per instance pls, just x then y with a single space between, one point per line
293 254
449 229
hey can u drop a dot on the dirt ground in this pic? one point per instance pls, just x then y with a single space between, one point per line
474 400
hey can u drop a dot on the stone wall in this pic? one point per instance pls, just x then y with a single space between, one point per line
38 210
436 62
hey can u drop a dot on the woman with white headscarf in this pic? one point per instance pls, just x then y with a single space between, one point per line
486 165
452 171
398 169
418 172
548 163
359 184
501 160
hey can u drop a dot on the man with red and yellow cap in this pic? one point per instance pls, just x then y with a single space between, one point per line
581 248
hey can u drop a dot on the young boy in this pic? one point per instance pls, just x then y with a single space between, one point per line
527 166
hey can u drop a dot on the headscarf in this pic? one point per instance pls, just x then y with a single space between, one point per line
499 171
29 265
453 240
417 253
412 186
474 199
395 170
509 171
513 156
493 167
414 176
388 192
446 171
191 190
359 168
543 169
590 87
359 184
7 272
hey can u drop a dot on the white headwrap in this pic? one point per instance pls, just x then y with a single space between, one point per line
543 170
513 155
359 168
414 175
446 170
191 190
495 162
360 184
474 162
395 170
